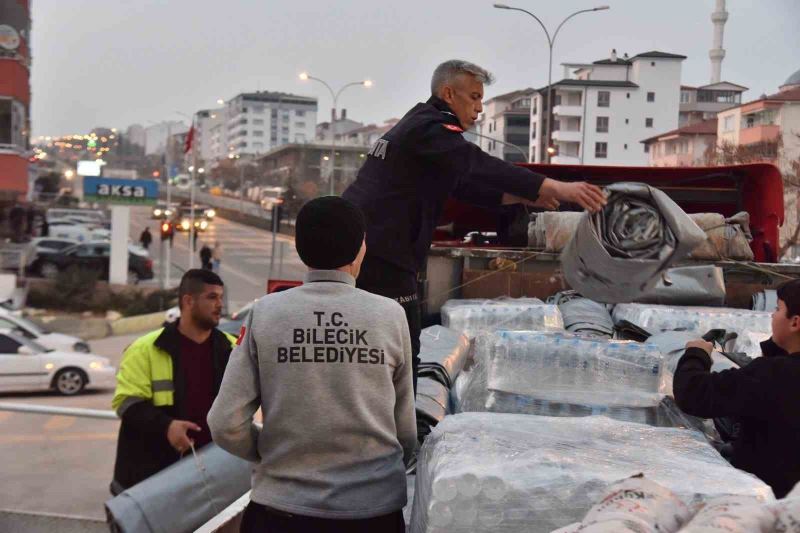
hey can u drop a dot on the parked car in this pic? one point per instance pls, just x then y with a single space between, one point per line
32 331
69 229
162 211
93 216
41 245
27 365
92 256
232 325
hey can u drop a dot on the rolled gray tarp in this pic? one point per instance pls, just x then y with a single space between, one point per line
183 496
582 315
619 253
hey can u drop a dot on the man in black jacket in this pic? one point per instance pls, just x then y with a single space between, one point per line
167 381
764 396
422 161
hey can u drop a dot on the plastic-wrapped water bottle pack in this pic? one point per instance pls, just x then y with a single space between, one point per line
479 316
508 473
567 368
750 325
560 374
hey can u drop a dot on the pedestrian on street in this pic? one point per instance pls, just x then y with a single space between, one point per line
216 257
30 216
763 396
44 229
167 381
146 238
205 257
16 222
416 166
330 367
194 238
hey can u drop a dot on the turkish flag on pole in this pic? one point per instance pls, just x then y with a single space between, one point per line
189 140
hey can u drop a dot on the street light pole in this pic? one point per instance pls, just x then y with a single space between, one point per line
335 96
550 42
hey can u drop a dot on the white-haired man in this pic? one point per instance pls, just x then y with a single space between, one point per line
422 161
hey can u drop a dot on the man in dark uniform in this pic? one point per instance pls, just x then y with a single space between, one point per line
417 165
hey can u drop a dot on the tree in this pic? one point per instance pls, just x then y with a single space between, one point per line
726 153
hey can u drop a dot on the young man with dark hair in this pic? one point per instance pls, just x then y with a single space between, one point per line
167 381
330 367
764 396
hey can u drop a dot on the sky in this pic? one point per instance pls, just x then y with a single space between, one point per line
113 63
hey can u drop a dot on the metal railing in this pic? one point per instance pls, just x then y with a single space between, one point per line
62 411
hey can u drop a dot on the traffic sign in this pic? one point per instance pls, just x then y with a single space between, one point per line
120 191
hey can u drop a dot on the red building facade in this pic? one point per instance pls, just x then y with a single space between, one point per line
15 97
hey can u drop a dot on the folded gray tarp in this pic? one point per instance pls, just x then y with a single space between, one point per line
691 285
443 354
432 405
183 496
619 253
582 315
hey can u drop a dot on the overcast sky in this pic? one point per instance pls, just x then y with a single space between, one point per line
114 63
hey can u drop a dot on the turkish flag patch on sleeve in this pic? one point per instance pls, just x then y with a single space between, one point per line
453 127
241 335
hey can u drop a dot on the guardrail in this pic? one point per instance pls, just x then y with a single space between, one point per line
227 521
53 410
36 522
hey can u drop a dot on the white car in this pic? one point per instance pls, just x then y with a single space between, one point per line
30 330
68 229
91 216
26 365
46 245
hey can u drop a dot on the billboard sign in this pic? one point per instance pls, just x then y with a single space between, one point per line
120 191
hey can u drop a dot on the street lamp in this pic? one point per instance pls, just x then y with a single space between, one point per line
550 42
234 157
304 76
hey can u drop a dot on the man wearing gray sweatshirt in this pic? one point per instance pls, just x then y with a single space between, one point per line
330 367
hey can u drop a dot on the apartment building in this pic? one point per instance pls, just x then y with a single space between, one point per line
504 126
683 147
602 110
258 122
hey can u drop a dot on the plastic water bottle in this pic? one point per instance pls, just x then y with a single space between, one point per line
493 488
445 489
440 514
469 486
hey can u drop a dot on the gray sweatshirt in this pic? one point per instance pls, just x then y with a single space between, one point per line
330 367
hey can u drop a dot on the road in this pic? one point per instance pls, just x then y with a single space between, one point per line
246 255
63 464
60 464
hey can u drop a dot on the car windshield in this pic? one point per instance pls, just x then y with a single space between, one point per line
33 345
28 324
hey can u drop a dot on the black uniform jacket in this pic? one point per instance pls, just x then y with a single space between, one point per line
764 396
412 170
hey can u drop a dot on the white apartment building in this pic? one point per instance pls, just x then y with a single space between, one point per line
505 124
604 110
255 123
206 123
156 135
136 135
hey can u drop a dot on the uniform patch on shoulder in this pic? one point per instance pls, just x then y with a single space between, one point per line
453 127
241 335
